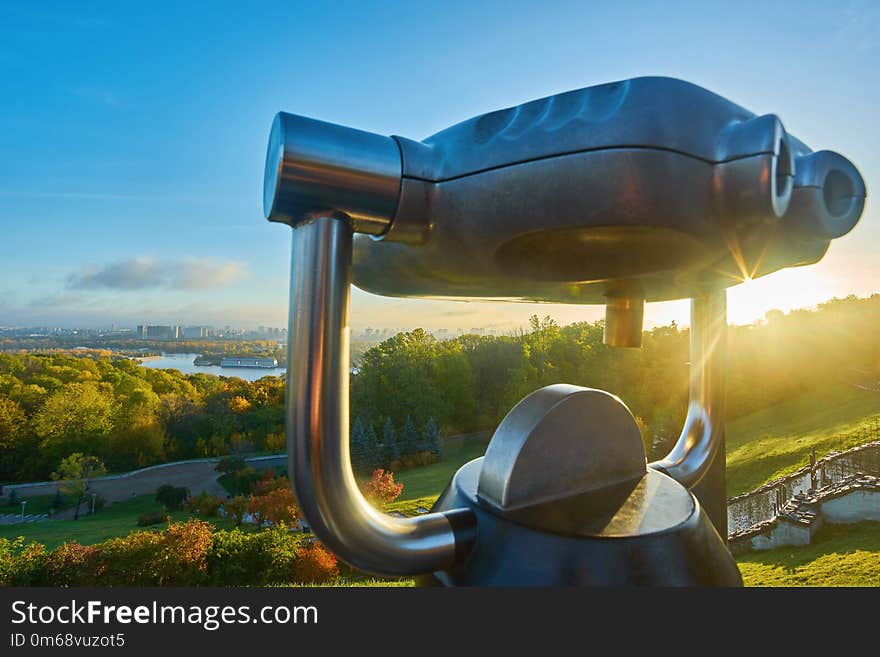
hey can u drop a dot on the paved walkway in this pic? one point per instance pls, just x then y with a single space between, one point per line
197 475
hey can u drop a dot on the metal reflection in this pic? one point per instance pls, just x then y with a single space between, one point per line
318 421
702 437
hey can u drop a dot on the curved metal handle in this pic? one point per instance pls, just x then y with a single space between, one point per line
318 422
702 437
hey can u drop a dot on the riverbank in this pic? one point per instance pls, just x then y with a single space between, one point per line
186 363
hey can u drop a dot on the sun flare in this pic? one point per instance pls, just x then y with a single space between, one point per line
784 290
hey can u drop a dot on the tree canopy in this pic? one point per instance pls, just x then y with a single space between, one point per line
411 389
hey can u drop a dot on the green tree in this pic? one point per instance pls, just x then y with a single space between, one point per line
13 430
374 453
432 439
408 375
172 497
74 473
357 445
390 446
409 438
74 418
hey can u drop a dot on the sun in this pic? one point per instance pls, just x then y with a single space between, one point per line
800 287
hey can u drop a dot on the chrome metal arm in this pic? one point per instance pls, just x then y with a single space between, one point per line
318 422
703 432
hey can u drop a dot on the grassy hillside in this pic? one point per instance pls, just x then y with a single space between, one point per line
421 488
777 440
116 520
761 446
841 555
431 480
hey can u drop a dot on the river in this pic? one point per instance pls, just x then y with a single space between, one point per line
184 363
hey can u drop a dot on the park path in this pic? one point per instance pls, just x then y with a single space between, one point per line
198 475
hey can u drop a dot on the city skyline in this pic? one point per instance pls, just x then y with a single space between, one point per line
132 169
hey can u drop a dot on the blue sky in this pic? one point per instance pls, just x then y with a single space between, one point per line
132 135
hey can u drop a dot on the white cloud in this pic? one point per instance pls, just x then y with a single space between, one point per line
145 273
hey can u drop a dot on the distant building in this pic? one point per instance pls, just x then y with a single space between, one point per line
266 363
161 332
196 332
142 331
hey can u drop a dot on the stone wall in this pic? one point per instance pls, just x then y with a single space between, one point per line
763 504
852 499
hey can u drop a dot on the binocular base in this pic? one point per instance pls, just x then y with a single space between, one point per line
628 548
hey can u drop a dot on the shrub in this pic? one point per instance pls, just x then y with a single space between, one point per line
275 507
172 497
204 504
185 554
231 464
72 564
276 442
8 555
151 518
236 508
19 562
239 558
315 563
269 482
241 482
415 460
381 489
174 557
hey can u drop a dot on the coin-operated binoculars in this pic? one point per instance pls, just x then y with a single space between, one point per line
643 190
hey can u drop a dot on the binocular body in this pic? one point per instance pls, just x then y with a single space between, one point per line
683 548
642 190
650 189
563 497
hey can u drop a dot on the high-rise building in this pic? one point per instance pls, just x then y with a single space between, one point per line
162 332
195 332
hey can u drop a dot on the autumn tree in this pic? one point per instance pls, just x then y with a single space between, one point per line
315 563
269 481
236 508
381 489
239 404
74 473
275 507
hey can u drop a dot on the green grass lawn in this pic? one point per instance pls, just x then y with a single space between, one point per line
432 479
421 488
777 440
37 504
840 555
115 520
761 446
